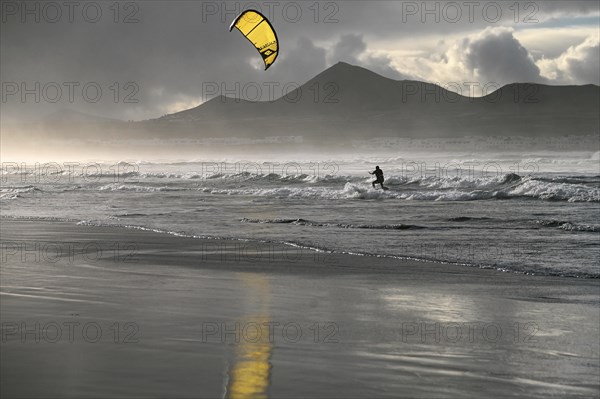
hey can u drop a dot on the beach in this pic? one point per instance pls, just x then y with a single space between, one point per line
92 311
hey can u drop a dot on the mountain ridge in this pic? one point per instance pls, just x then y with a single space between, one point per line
346 102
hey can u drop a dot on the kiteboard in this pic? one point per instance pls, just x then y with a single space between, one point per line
385 188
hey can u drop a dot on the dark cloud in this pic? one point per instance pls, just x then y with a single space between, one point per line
348 48
498 57
304 61
352 48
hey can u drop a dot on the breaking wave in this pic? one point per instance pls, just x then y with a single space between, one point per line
14 192
434 189
568 226
335 187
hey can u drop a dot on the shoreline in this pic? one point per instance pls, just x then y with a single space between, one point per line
92 312
285 247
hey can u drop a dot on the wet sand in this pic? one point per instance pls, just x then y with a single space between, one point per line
90 312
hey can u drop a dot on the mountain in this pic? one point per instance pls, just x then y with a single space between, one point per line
347 101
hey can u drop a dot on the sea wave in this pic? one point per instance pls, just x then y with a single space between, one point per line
466 218
303 222
568 226
339 187
14 192
431 188
141 188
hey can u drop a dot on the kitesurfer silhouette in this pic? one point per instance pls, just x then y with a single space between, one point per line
379 175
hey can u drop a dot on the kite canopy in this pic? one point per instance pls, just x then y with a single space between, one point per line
259 31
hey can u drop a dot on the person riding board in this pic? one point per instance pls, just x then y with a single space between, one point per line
379 175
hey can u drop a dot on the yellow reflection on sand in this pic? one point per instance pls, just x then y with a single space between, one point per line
249 375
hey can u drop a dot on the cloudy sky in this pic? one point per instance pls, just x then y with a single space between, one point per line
143 59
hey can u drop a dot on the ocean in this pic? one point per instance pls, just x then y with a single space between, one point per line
522 213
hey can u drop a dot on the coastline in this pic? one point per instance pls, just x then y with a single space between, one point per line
214 318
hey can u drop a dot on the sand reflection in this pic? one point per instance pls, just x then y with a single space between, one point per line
249 373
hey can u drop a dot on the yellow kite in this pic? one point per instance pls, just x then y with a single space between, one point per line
259 31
